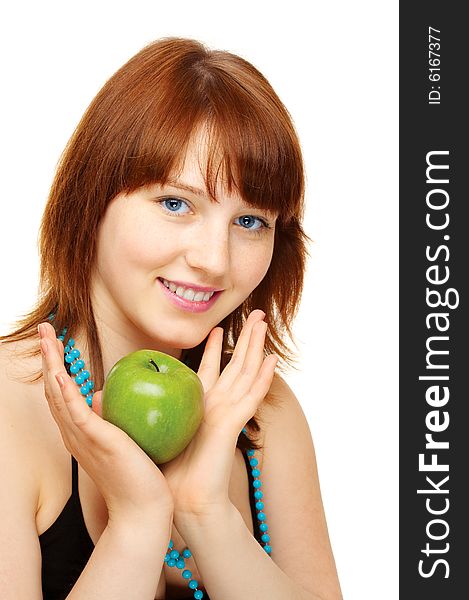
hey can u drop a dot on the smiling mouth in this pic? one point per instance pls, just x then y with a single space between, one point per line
187 293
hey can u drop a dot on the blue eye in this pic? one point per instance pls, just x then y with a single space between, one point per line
263 224
172 201
171 205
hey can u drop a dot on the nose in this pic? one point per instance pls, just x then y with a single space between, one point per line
208 250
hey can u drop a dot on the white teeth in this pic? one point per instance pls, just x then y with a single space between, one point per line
188 293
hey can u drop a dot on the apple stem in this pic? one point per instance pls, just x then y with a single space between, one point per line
154 364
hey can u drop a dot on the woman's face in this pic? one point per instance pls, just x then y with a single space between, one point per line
176 234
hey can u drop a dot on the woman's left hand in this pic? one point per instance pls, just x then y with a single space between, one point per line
199 477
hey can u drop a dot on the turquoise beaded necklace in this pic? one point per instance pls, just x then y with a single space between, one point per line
173 558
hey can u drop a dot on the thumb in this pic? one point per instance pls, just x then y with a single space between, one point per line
97 404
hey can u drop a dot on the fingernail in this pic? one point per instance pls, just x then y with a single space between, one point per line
60 381
43 346
40 331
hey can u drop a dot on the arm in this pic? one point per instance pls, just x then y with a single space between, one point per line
236 566
127 561
302 566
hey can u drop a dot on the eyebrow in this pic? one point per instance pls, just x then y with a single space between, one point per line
187 187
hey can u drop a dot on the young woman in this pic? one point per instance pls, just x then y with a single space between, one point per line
174 223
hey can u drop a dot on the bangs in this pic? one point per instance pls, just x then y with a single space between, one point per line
251 145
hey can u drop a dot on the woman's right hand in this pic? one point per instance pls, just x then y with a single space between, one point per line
129 481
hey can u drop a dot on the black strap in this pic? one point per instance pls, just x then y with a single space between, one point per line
74 476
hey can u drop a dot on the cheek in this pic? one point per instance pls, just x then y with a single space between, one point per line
135 245
254 266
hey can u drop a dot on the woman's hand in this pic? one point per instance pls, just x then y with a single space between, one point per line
199 477
130 483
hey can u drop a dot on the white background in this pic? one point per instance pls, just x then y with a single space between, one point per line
335 68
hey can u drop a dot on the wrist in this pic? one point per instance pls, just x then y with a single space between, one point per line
204 517
141 520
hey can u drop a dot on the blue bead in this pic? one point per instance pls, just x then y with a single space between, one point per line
193 584
253 462
171 562
79 379
255 472
268 549
171 544
75 353
166 558
174 554
186 553
64 331
80 364
263 527
244 430
250 452
198 594
86 387
187 574
261 516
74 369
180 563
89 401
258 494
86 375
61 338
67 349
265 537
69 358
259 505
71 342
257 483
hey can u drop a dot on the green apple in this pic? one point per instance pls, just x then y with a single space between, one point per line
156 399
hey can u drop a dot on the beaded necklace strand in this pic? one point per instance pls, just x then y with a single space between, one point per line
173 558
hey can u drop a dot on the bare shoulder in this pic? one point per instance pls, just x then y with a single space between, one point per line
292 494
19 360
22 399
279 403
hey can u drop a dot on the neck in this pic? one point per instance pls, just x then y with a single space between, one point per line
116 343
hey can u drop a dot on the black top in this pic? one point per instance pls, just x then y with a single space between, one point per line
66 545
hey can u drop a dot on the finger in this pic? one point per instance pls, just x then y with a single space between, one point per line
78 410
52 363
253 359
261 387
242 344
52 391
63 405
87 426
209 368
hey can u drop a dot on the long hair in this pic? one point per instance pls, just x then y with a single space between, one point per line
134 133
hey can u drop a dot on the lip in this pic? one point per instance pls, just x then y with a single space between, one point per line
196 288
194 307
